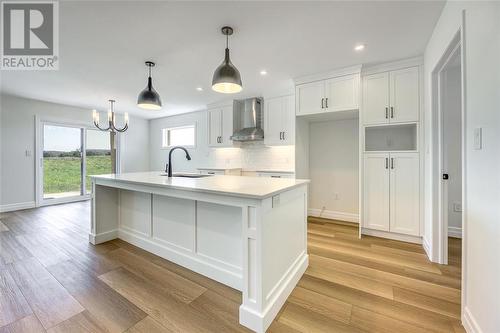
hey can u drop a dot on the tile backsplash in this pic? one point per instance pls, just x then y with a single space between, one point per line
253 156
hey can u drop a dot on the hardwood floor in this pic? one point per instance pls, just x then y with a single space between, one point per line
53 280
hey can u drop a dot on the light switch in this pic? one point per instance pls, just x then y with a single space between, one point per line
27 153
478 138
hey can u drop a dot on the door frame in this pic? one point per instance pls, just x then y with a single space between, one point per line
439 225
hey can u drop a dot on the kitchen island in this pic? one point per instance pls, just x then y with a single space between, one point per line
249 233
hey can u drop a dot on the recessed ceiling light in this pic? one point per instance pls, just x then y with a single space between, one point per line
263 72
359 47
199 88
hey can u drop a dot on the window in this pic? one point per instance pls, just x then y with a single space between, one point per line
179 136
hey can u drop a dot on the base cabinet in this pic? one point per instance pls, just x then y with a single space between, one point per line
391 193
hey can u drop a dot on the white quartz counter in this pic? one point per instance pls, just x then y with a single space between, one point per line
239 186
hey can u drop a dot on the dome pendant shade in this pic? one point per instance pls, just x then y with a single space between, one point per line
227 78
149 99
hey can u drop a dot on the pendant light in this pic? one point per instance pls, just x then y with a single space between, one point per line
227 78
149 99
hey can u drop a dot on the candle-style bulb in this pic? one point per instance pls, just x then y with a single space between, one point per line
94 115
126 118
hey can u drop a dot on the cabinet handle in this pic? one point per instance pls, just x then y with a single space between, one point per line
326 102
283 136
386 112
211 173
322 106
275 176
392 111
392 163
386 163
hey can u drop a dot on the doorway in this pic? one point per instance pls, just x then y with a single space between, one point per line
69 154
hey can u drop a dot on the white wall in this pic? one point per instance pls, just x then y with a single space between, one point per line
17 135
482 183
249 156
452 135
334 167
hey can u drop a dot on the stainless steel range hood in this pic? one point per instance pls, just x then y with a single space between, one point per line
248 118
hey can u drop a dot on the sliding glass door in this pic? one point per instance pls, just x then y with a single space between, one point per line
98 155
70 154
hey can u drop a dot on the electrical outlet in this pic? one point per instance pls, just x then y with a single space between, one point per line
478 138
457 207
276 200
335 196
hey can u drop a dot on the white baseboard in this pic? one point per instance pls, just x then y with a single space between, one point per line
469 322
17 206
455 232
392 235
334 215
103 237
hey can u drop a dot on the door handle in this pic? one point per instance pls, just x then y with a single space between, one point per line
322 106
392 163
446 176
326 102
392 111
386 163
386 112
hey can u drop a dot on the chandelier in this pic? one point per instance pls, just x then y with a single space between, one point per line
111 119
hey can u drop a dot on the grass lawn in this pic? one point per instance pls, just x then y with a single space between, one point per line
62 174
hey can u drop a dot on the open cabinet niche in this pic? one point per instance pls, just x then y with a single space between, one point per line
327 153
400 137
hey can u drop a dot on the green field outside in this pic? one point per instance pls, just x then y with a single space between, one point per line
62 174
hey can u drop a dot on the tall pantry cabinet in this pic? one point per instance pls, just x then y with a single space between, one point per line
391 161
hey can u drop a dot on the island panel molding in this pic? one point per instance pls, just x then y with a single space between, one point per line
253 240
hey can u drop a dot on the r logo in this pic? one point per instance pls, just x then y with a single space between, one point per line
28 28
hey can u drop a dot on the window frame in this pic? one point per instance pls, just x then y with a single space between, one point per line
167 146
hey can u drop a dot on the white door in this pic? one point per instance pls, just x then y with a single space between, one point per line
341 93
376 98
376 191
214 127
227 126
405 197
310 98
404 95
273 122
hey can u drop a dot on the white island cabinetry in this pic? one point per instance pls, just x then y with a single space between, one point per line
249 233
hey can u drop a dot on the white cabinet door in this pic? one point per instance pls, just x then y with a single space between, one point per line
273 121
279 122
404 95
376 192
214 127
405 194
288 121
376 98
341 93
227 126
310 98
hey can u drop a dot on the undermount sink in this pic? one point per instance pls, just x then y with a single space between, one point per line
187 175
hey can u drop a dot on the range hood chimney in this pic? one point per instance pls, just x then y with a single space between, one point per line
248 117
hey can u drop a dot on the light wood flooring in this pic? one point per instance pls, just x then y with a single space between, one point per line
53 280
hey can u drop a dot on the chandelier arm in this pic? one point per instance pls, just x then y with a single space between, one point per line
96 124
121 130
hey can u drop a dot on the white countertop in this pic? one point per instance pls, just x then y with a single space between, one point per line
274 171
239 186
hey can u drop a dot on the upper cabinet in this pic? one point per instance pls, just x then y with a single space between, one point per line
330 95
391 97
220 126
279 121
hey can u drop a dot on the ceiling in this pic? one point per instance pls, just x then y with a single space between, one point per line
103 46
